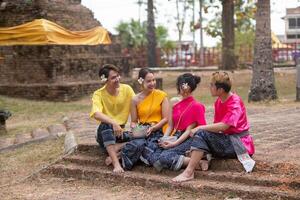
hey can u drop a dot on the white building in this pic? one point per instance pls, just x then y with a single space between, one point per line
292 25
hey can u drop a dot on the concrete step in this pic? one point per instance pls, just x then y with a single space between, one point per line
229 165
252 179
198 185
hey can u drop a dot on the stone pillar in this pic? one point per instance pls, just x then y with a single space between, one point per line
298 79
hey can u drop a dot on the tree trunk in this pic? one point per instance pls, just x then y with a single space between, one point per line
263 83
228 56
151 38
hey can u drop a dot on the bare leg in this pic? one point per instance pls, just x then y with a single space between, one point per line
203 164
188 173
186 161
117 147
115 161
108 160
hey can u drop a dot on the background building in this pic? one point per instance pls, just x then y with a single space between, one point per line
292 25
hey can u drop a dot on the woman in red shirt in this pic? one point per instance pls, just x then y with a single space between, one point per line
228 136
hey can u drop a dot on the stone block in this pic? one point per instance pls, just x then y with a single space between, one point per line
22 138
6 142
40 133
56 129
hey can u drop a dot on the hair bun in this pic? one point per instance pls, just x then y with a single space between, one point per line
197 79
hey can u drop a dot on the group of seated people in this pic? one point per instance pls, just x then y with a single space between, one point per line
169 134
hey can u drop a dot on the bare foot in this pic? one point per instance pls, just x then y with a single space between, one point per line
183 177
118 170
108 161
204 164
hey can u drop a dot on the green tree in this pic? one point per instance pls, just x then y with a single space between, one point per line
236 16
133 34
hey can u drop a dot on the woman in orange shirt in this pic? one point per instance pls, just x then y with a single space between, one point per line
149 109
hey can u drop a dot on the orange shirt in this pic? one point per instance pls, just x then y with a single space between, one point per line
149 110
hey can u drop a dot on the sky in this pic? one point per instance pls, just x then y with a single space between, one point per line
111 12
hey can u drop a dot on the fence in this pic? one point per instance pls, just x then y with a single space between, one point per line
212 56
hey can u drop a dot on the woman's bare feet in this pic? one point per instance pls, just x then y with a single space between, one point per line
184 176
108 161
204 165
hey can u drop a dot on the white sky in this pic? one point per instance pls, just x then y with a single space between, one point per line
111 12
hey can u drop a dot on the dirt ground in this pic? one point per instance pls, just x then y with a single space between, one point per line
61 189
23 162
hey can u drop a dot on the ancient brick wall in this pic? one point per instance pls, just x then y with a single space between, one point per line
67 13
57 63
54 72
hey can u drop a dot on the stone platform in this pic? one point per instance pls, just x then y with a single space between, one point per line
276 175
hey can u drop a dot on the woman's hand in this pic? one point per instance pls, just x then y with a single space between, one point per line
167 144
193 131
150 130
133 125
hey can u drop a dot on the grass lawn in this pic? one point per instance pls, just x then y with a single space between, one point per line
28 114
285 85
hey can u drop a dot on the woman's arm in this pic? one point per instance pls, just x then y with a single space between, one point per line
133 112
181 139
164 120
170 120
216 127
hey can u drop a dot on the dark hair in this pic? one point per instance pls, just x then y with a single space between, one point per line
143 72
190 79
224 86
222 80
105 69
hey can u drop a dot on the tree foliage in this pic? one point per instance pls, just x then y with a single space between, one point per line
244 16
133 35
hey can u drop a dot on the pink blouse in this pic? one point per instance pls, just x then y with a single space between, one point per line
190 111
233 113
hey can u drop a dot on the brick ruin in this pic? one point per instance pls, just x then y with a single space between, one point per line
53 72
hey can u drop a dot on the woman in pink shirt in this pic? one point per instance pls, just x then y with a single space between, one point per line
186 114
228 136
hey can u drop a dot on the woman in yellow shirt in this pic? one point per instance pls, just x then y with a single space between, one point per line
148 108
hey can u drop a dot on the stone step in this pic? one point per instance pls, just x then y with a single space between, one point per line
231 165
252 179
157 181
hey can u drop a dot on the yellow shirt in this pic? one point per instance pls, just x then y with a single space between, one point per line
149 110
116 107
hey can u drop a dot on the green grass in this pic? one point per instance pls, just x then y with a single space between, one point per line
28 115
285 84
